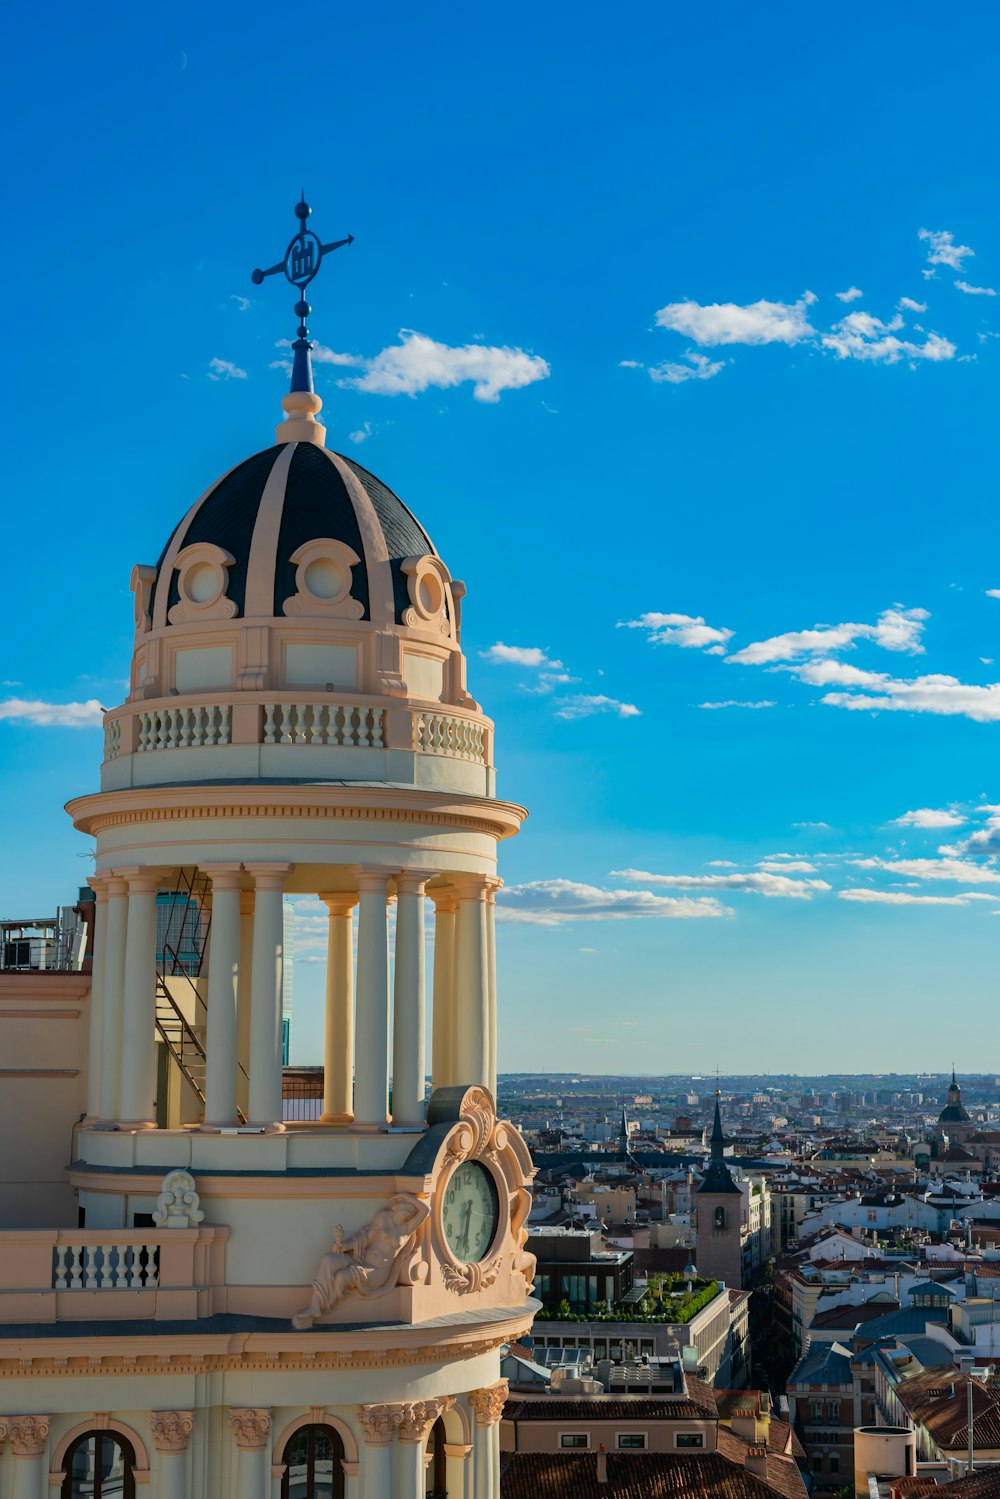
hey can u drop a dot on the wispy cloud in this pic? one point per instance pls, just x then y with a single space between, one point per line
418 362
902 898
896 629
555 902
909 305
243 304
585 705
225 369
361 434
929 817
942 249
861 336
730 702
975 291
938 694
729 323
86 715
757 882
521 655
686 630
961 871
810 824
698 367
850 295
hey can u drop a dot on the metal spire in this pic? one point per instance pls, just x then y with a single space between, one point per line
302 261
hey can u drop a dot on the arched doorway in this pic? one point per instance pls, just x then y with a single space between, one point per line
99 1465
437 1462
313 1459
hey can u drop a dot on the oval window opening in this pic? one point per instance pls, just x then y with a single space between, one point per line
325 578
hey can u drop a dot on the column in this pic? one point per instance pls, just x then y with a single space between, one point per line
264 1100
491 984
458 1454
471 1028
138 1064
29 1436
488 1405
410 1457
371 1047
377 1422
99 884
114 996
171 1430
409 1002
221 1035
251 1426
338 1052
243 987
443 1033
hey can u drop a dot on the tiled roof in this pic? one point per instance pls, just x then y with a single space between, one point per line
614 1407
849 1316
638 1475
938 1401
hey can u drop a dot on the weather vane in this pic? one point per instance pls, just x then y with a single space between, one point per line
301 263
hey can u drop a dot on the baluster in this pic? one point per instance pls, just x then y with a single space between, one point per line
145 731
162 722
225 715
89 1263
183 727
202 731
152 1266
98 1267
338 725
304 725
377 728
321 723
364 739
269 723
60 1271
76 1250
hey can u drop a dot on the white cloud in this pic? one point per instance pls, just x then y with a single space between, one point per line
86 715
909 305
786 865
758 882
554 902
242 303
362 434
896 629
810 824
900 898
585 706
225 369
687 630
850 295
943 249
962 871
698 367
418 362
729 323
520 655
321 354
975 291
931 694
735 703
929 817
993 593
861 336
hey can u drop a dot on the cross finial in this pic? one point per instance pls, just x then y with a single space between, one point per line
302 261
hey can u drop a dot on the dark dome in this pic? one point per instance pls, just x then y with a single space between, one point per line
953 1113
267 507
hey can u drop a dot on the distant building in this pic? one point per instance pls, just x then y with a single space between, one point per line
953 1123
733 1233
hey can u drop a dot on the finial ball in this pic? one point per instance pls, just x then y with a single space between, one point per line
302 309
257 277
302 210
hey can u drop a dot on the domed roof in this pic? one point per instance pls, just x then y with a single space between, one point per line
953 1113
267 507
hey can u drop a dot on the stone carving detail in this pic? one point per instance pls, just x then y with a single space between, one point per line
418 1416
524 1263
488 1404
470 1277
178 1204
369 1262
28 1434
378 1422
171 1429
251 1425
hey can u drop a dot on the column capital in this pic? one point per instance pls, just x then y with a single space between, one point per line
488 1404
412 881
378 1422
28 1434
268 877
339 902
99 884
141 879
461 1450
493 888
375 881
418 1416
224 877
250 1425
171 1429
445 898
471 886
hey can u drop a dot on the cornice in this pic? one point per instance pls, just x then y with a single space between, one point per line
310 801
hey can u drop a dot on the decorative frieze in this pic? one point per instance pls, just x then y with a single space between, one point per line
28 1434
171 1429
488 1404
251 1425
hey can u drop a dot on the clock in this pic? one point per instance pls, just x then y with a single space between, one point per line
470 1212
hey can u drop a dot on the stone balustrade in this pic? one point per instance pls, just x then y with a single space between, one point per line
346 725
112 1265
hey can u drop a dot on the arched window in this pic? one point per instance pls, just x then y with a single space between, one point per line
720 1217
99 1465
313 1459
437 1464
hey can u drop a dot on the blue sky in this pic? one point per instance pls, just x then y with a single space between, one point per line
640 320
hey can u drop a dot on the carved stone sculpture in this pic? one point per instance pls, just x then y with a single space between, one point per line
171 1429
250 1425
488 1404
369 1261
28 1435
177 1205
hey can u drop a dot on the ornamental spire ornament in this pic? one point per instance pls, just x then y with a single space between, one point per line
302 261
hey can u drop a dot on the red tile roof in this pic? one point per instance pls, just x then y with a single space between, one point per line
638 1475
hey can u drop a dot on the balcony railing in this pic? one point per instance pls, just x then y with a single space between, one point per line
108 1266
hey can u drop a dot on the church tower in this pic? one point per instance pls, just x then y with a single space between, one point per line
719 1216
954 1123
250 1309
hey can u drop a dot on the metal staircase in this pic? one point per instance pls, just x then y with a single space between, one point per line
180 958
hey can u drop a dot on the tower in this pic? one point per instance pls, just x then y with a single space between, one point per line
954 1123
719 1216
254 1308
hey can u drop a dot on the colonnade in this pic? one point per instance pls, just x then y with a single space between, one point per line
370 1033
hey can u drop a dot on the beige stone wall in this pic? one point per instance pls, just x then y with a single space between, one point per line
43 1094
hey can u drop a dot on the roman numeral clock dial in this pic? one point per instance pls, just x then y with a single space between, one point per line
470 1212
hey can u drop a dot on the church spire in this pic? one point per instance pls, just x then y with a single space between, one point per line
718 1177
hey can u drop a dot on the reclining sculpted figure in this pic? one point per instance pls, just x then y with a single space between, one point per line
369 1261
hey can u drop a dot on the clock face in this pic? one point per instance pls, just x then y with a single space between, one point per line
471 1212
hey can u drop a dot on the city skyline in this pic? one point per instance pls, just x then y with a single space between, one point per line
702 407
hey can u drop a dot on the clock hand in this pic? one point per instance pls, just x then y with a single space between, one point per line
466 1221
